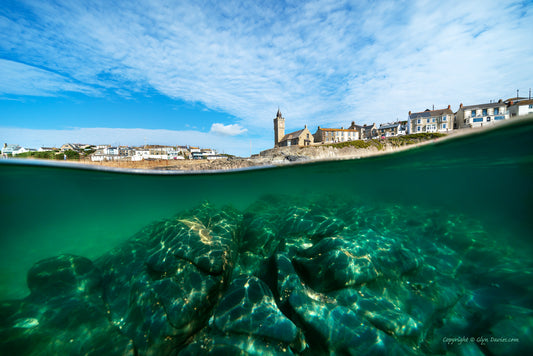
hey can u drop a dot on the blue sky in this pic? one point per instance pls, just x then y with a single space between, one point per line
213 73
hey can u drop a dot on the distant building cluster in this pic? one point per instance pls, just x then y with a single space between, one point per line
100 153
439 120
153 152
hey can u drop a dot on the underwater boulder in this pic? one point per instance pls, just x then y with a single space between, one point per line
64 314
248 308
328 326
513 334
64 274
259 234
336 264
234 345
166 295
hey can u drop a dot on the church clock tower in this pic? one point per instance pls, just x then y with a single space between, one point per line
279 128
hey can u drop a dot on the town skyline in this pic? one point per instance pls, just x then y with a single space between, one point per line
214 75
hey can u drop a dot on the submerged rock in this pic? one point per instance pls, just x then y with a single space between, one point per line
165 296
282 277
64 314
248 307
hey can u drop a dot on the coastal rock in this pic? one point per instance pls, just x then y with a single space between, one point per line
65 274
328 326
64 314
164 295
286 276
248 308
335 264
234 345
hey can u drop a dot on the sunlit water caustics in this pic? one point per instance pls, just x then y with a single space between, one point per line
423 252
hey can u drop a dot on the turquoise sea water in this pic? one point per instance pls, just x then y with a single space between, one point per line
341 256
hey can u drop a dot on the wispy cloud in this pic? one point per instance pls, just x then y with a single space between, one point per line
22 79
227 130
322 62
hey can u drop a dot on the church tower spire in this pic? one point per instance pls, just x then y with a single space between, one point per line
279 128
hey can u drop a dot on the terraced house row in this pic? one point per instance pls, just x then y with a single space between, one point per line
427 121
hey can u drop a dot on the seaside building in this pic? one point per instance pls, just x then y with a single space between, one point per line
301 137
325 135
11 149
480 114
440 120
523 107
140 154
515 100
366 132
70 146
297 138
393 129
279 128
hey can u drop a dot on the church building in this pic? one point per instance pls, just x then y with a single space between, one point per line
297 138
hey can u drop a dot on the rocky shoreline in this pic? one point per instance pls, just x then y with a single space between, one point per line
273 157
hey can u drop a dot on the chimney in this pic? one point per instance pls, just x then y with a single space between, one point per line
461 106
449 107
353 122
409 113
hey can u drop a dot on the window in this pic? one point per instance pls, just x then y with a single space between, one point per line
478 120
496 111
473 113
443 126
418 128
433 120
418 121
484 112
444 118
488 118
531 106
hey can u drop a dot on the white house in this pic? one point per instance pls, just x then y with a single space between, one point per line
10 149
140 154
392 129
520 108
70 146
110 151
481 114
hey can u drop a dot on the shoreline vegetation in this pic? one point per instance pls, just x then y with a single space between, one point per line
280 156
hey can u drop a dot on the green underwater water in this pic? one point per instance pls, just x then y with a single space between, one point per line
362 243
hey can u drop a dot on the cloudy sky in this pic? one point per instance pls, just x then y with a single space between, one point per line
213 73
